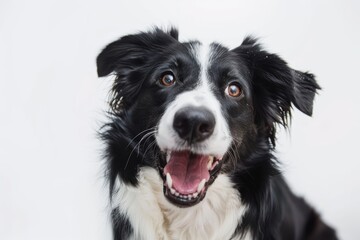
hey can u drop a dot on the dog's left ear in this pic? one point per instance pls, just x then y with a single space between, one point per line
130 59
275 86
131 51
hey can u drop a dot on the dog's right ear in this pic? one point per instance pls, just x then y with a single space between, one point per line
132 51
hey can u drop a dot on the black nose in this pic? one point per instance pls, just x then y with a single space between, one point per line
194 124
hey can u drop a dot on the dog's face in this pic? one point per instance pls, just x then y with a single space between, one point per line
194 107
208 111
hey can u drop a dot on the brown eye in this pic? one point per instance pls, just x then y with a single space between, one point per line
167 80
233 90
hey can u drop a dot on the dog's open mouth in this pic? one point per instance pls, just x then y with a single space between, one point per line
187 176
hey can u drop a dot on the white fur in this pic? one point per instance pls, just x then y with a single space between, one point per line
218 143
153 217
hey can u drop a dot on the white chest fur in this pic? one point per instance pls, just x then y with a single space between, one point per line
153 218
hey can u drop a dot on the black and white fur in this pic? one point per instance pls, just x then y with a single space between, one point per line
248 198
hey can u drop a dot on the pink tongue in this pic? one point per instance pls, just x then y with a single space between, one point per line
187 170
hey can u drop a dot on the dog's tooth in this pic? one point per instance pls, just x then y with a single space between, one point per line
195 195
169 180
201 185
190 196
168 153
210 162
172 191
177 194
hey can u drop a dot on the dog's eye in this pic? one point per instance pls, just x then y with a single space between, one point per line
233 90
167 80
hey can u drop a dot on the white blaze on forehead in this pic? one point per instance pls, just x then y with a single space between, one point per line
201 96
202 53
204 59
203 56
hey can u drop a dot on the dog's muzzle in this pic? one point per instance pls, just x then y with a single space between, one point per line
187 174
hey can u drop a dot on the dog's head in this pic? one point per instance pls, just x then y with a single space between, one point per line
192 110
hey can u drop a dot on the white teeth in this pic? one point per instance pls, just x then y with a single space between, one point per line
168 153
201 185
169 180
215 164
210 162
188 196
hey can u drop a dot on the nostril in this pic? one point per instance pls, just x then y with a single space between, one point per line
204 128
180 122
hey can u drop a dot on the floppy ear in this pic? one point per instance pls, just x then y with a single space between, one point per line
304 89
275 86
131 51
129 58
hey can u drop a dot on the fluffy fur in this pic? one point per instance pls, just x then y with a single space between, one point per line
245 196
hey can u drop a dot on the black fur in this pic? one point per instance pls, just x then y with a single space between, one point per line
271 88
121 226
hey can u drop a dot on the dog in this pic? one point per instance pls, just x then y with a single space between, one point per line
189 145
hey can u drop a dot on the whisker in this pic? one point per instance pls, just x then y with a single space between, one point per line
137 146
146 130
151 145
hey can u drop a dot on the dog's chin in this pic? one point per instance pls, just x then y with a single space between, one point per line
187 176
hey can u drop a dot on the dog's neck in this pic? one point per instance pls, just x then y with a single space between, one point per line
153 217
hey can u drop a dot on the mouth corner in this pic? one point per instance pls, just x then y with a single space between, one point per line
187 176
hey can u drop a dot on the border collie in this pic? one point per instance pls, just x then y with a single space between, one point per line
191 136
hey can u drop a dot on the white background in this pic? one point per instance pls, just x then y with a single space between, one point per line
52 103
